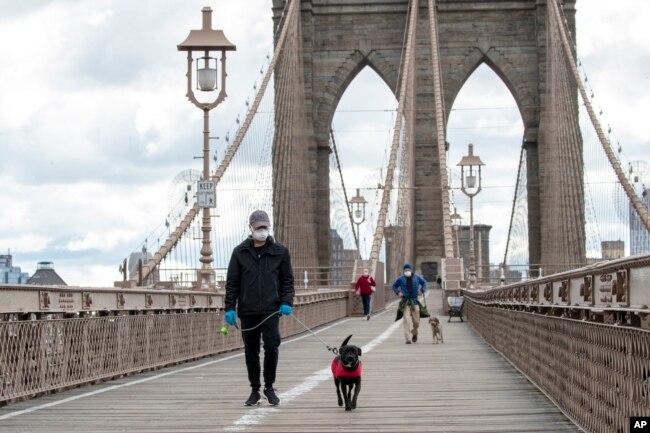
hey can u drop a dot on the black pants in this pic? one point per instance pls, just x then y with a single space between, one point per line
365 299
269 332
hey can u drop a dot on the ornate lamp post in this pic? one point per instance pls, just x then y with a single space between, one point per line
455 222
469 166
358 204
203 42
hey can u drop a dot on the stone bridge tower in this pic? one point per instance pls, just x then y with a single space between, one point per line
341 37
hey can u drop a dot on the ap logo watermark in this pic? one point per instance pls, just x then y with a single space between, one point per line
639 424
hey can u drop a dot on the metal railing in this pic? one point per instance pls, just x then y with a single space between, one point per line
43 355
320 278
583 337
53 338
309 278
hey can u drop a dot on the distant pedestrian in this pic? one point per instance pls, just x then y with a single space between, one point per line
259 285
408 287
365 287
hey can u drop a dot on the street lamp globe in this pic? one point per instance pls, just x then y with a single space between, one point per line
470 169
207 76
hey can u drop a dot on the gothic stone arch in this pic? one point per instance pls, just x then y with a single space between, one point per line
341 37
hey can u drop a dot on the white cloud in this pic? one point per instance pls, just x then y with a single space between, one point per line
100 17
101 241
28 243
88 276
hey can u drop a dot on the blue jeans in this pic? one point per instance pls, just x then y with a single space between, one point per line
365 299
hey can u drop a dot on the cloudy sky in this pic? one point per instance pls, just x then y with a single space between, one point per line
94 124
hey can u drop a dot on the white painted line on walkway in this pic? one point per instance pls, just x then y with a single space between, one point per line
146 379
256 415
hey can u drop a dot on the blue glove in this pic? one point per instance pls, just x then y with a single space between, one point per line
231 317
285 309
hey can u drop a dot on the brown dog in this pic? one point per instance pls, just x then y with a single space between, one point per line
436 329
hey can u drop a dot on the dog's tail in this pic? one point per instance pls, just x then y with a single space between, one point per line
346 340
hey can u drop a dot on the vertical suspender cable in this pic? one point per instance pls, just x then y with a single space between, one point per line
514 204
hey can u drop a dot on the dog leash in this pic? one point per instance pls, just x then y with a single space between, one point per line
334 350
258 325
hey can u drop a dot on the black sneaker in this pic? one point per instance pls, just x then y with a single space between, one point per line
273 399
253 399
415 338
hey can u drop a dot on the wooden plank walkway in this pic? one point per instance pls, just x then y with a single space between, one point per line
459 386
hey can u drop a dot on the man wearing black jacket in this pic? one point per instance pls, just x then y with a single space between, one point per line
259 285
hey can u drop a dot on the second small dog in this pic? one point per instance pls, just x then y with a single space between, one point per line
436 329
346 369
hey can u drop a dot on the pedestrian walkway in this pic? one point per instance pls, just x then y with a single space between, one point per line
459 386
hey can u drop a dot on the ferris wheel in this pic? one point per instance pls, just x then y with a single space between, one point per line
182 190
639 175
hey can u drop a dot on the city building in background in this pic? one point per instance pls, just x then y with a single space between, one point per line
611 250
639 235
342 260
509 275
10 274
481 250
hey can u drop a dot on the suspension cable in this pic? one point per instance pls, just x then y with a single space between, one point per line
604 141
345 193
514 204
388 184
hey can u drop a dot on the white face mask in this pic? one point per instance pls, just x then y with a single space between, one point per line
260 235
365 274
407 273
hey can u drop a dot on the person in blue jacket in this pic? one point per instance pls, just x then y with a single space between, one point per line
408 287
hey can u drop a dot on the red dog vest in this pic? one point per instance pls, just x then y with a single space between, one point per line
338 371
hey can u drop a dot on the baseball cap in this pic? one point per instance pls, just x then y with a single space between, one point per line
258 219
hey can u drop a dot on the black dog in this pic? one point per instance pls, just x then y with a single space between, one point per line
346 369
